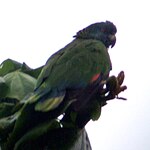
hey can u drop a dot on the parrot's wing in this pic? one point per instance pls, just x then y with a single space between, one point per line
76 66
48 67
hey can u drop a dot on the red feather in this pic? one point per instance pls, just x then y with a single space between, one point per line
95 77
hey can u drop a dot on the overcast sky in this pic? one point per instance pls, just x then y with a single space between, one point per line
30 31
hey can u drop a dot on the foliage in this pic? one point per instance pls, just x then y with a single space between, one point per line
17 81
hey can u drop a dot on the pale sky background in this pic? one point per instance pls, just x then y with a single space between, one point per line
32 30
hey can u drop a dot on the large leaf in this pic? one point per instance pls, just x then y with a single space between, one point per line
32 72
3 87
6 126
8 66
20 84
6 109
32 139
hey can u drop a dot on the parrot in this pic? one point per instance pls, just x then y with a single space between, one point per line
81 65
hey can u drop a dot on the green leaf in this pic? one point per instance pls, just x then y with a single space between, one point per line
6 126
33 72
3 87
34 134
20 84
6 109
24 67
8 66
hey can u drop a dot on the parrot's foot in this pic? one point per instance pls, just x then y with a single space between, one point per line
115 87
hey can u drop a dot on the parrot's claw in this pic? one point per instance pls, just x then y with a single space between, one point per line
121 89
114 87
122 98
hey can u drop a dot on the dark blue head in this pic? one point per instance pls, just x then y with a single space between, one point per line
103 31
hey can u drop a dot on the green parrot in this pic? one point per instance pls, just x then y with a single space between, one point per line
81 65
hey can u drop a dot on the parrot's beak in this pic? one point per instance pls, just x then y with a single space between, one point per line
112 39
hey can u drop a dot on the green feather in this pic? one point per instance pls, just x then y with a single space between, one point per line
49 104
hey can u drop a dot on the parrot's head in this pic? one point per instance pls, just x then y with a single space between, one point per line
103 31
